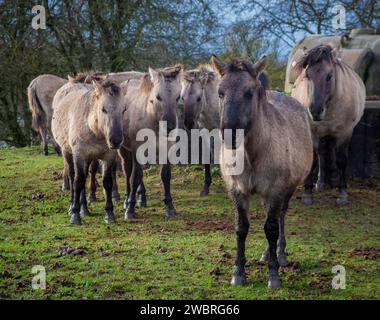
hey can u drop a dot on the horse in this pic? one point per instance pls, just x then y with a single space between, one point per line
87 124
276 150
41 91
152 99
201 104
335 97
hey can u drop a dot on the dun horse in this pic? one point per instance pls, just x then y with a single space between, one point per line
88 125
201 104
335 96
152 99
277 155
41 91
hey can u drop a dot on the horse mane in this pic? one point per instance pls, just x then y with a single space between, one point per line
243 64
109 87
168 73
314 56
204 73
145 83
88 76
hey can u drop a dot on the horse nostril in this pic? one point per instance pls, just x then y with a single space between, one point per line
115 142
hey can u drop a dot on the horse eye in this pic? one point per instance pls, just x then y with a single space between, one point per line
221 94
104 110
178 98
125 109
329 76
198 99
248 94
158 98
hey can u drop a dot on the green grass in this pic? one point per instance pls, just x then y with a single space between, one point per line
156 258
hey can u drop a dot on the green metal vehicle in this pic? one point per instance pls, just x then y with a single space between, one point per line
361 50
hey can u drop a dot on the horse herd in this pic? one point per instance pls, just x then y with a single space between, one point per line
286 138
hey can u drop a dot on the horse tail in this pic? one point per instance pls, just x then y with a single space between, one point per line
264 79
38 113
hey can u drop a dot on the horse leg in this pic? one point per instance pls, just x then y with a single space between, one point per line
135 182
126 165
307 196
108 169
65 176
43 133
83 201
115 191
241 229
281 243
207 181
342 160
334 174
166 176
94 166
69 165
79 183
272 234
142 195
323 153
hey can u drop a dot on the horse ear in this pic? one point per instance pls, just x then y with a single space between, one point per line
218 64
124 87
97 87
177 69
154 75
188 76
335 53
70 78
260 64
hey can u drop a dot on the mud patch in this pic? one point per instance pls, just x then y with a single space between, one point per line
321 281
66 250
366 252
37 196
210 225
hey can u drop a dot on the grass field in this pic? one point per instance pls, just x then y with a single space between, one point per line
188 257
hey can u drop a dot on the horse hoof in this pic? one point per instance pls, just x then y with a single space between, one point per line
274 282
92 198
109 218
204 192
265 256
84 212
282 261
170 212
115 196
342 200
238 280
142 204
75 219
129 215
307 199
320 186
